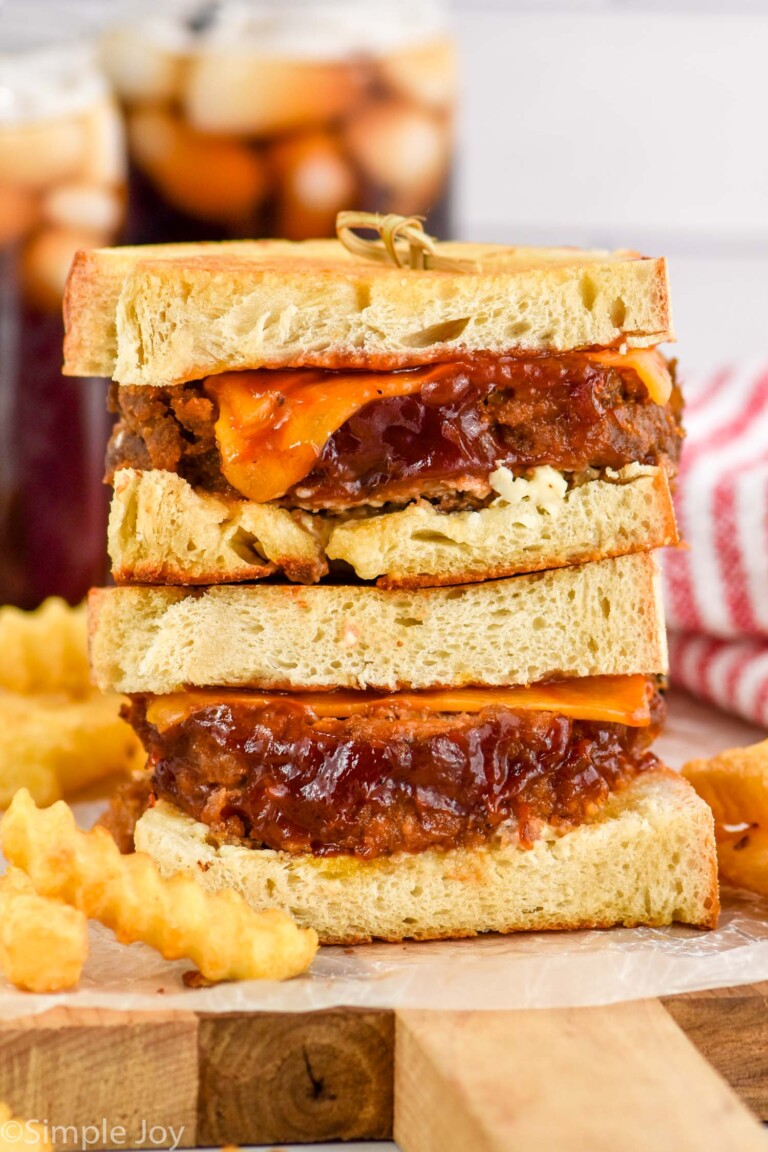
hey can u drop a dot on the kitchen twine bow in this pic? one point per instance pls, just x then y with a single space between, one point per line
402 241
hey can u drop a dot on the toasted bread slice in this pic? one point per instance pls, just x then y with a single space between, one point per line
597 619
648 858
419 547
162 531
169 314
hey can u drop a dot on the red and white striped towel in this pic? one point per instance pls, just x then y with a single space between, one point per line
716 590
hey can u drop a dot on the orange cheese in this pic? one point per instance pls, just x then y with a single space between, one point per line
649 365
610 699
273 425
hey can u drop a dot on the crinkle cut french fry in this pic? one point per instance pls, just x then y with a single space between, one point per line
43 943
46 650
734 784
55 746
743 859
218 932
18 1134
57 734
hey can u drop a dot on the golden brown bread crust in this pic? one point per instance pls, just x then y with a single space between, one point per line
167 572
471 576
164 315
661 533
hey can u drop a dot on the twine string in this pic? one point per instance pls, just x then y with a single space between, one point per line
401 241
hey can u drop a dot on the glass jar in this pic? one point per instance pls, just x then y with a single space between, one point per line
62 177
265 119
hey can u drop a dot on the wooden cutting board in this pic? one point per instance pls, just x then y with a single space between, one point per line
684 1072
680 1073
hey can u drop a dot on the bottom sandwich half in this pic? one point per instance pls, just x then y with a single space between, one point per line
648 859
416 765
428 815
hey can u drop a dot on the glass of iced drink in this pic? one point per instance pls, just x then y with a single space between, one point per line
265 119
62 178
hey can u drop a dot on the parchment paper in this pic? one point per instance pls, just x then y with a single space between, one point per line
492 972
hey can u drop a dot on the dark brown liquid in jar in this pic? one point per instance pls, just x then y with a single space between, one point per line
61 189
237 129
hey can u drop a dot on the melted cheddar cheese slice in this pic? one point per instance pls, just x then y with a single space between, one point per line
273 425
610 699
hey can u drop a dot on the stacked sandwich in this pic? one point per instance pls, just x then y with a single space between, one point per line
386 607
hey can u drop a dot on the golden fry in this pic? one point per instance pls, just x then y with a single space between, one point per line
734 784
45 651
57 734
743 859
16 1133
55 746
43 943
218 932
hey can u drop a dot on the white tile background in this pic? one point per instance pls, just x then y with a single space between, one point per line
620 124
634 123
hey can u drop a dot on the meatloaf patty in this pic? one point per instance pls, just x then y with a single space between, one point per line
440 444
389 780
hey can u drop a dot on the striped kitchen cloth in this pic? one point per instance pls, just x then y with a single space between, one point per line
716 589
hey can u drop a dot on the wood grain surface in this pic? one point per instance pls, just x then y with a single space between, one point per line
253 1078
240 1078
283 1078
89 1069
729 1026
622 1076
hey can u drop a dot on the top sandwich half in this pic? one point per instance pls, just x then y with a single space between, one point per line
295 408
